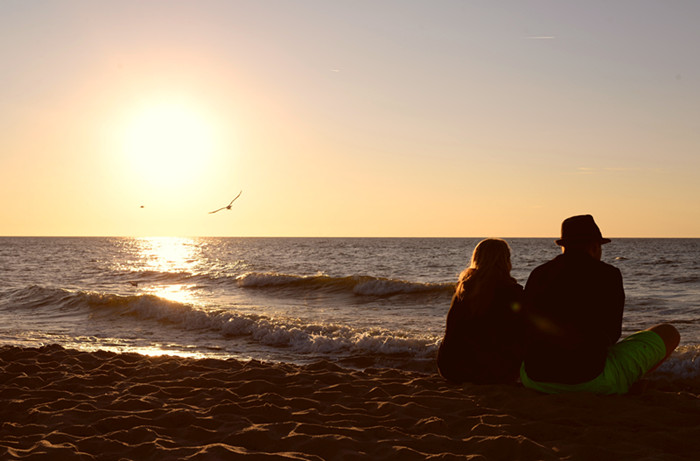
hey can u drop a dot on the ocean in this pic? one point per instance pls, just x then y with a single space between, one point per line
359 302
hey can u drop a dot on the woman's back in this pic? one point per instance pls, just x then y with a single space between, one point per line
483 344
484 334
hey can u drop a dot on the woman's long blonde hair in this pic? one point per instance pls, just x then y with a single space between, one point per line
490 264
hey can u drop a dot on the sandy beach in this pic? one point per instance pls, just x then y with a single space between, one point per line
65 404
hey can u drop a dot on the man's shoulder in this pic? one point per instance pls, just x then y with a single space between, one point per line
549 265
609 268
575 264
543 272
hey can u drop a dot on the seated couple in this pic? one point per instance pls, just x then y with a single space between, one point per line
560 334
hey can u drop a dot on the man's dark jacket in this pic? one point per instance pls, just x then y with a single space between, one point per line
573 305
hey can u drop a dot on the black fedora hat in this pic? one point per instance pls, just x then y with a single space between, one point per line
580 229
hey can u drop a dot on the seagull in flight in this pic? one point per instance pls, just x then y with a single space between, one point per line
227 207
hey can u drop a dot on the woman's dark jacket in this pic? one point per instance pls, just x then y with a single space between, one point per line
486 347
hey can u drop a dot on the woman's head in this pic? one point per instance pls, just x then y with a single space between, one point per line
490 263
492 256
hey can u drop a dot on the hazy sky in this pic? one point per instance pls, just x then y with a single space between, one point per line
349 118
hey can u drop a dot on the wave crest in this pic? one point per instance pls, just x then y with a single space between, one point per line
296 334
357 284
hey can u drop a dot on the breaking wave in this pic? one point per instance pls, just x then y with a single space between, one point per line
291 333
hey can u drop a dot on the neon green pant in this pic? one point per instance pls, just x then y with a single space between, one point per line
627 362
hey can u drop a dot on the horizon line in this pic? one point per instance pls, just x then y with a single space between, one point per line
317 237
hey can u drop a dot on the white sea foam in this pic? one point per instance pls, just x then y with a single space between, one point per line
291 333
683 363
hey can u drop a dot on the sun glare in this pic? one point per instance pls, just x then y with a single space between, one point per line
170 255
168 143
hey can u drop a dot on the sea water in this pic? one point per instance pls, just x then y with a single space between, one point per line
360 302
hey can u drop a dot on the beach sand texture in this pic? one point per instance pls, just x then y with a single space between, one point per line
65 404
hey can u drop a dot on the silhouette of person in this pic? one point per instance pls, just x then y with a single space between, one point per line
483 333
573 305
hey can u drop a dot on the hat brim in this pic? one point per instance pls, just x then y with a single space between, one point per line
563 242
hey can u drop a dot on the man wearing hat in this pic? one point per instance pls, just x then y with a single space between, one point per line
573 306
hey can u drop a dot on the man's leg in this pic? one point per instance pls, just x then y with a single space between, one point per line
670 336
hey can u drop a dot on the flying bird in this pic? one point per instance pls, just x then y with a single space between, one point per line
227 207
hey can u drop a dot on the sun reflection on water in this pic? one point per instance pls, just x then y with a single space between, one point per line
178 293
171 258
150 351
169 254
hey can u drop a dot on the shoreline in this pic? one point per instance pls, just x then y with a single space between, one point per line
58 403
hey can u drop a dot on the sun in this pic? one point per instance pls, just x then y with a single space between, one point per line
168 143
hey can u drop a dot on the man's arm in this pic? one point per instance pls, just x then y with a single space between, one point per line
616 305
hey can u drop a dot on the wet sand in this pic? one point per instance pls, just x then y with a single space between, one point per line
64 404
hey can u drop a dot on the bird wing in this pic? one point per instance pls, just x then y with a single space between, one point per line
234 199
229 205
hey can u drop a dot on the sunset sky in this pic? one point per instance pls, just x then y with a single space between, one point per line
349 118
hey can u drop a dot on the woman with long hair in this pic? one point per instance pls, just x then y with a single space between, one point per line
483 340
